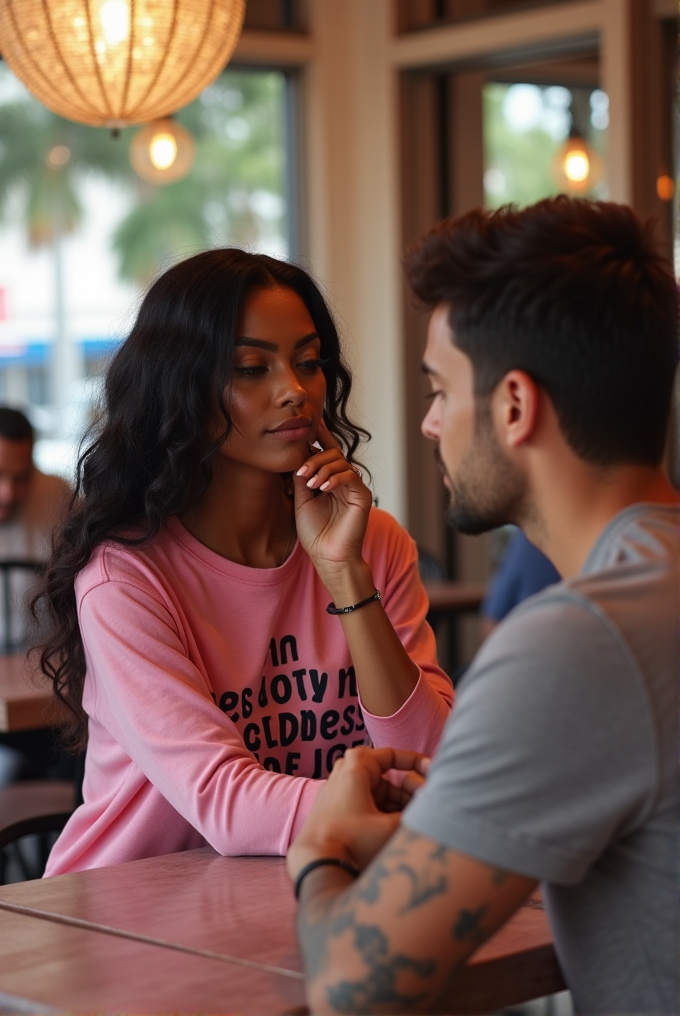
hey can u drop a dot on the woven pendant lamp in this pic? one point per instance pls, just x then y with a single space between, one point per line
110 63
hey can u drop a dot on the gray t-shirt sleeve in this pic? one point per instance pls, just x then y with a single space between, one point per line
549 752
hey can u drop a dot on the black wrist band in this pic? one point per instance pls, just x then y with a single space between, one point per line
332 609
335 862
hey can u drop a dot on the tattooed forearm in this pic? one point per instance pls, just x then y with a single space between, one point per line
468 926
315 917
396 940
380 986
426 883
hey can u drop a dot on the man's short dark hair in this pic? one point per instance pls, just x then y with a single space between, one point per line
577 294
14 426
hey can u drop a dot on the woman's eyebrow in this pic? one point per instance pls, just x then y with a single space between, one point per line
272 347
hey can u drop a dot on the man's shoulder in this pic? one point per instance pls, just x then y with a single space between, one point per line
46 487
646 536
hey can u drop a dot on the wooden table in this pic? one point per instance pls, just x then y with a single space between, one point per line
48 967
26 699
235 914
450 598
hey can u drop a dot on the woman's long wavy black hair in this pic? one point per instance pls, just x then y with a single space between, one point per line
149 455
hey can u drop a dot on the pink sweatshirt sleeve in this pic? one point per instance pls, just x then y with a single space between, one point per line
419 723
156 704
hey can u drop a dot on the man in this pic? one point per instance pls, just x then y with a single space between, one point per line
551 351
30 506
522 571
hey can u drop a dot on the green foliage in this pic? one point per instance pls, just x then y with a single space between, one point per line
47 190
238 127
521 163
524 159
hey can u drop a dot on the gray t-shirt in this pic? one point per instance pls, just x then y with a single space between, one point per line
559 762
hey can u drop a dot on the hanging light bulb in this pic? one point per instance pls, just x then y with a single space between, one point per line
665 188
110 63
162 152
577 166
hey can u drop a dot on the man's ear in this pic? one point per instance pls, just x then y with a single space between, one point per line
515 408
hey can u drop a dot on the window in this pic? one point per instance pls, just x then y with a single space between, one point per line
81 235
526 129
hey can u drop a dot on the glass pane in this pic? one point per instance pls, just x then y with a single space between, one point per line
526 131
81 235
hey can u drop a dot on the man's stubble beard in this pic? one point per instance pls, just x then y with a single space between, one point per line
487 490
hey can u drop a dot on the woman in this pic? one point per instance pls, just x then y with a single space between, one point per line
218 513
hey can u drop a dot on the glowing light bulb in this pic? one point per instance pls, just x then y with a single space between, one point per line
576 166
58 156
115 19
665 188
162 150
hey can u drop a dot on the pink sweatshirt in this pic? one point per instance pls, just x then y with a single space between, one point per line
218 695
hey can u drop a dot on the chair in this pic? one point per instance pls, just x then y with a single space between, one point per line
10 642
33 808
29 806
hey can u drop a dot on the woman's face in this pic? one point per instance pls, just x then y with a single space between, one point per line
278 389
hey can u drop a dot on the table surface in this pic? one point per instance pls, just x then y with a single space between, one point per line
239 911
50 967
26 700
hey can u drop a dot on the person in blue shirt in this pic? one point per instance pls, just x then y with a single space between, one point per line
523 571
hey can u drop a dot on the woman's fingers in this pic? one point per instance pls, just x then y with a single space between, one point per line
329 470
319 459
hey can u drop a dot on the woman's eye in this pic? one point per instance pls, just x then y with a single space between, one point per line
433 395
250 370
310 366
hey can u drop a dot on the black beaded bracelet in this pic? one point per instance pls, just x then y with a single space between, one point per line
332 609
336 862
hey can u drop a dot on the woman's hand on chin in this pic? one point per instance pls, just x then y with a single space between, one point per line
331 512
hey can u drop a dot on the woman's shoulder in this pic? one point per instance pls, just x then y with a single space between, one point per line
385 535
123 560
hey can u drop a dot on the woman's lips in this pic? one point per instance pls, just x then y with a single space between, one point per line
296 429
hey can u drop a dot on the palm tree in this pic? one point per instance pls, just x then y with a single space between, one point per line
43 161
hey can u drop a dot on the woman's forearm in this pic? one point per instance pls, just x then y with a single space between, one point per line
385 674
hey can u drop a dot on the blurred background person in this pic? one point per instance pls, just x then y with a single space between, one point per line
31 504
523 571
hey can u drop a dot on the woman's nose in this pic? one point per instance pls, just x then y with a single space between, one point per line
292 393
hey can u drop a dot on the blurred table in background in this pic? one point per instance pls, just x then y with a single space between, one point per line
26 698
449 602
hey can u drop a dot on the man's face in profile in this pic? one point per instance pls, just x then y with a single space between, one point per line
16 471
485 489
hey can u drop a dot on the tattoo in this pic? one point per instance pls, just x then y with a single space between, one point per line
424 884
380 986
467 927
498 876
368 887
